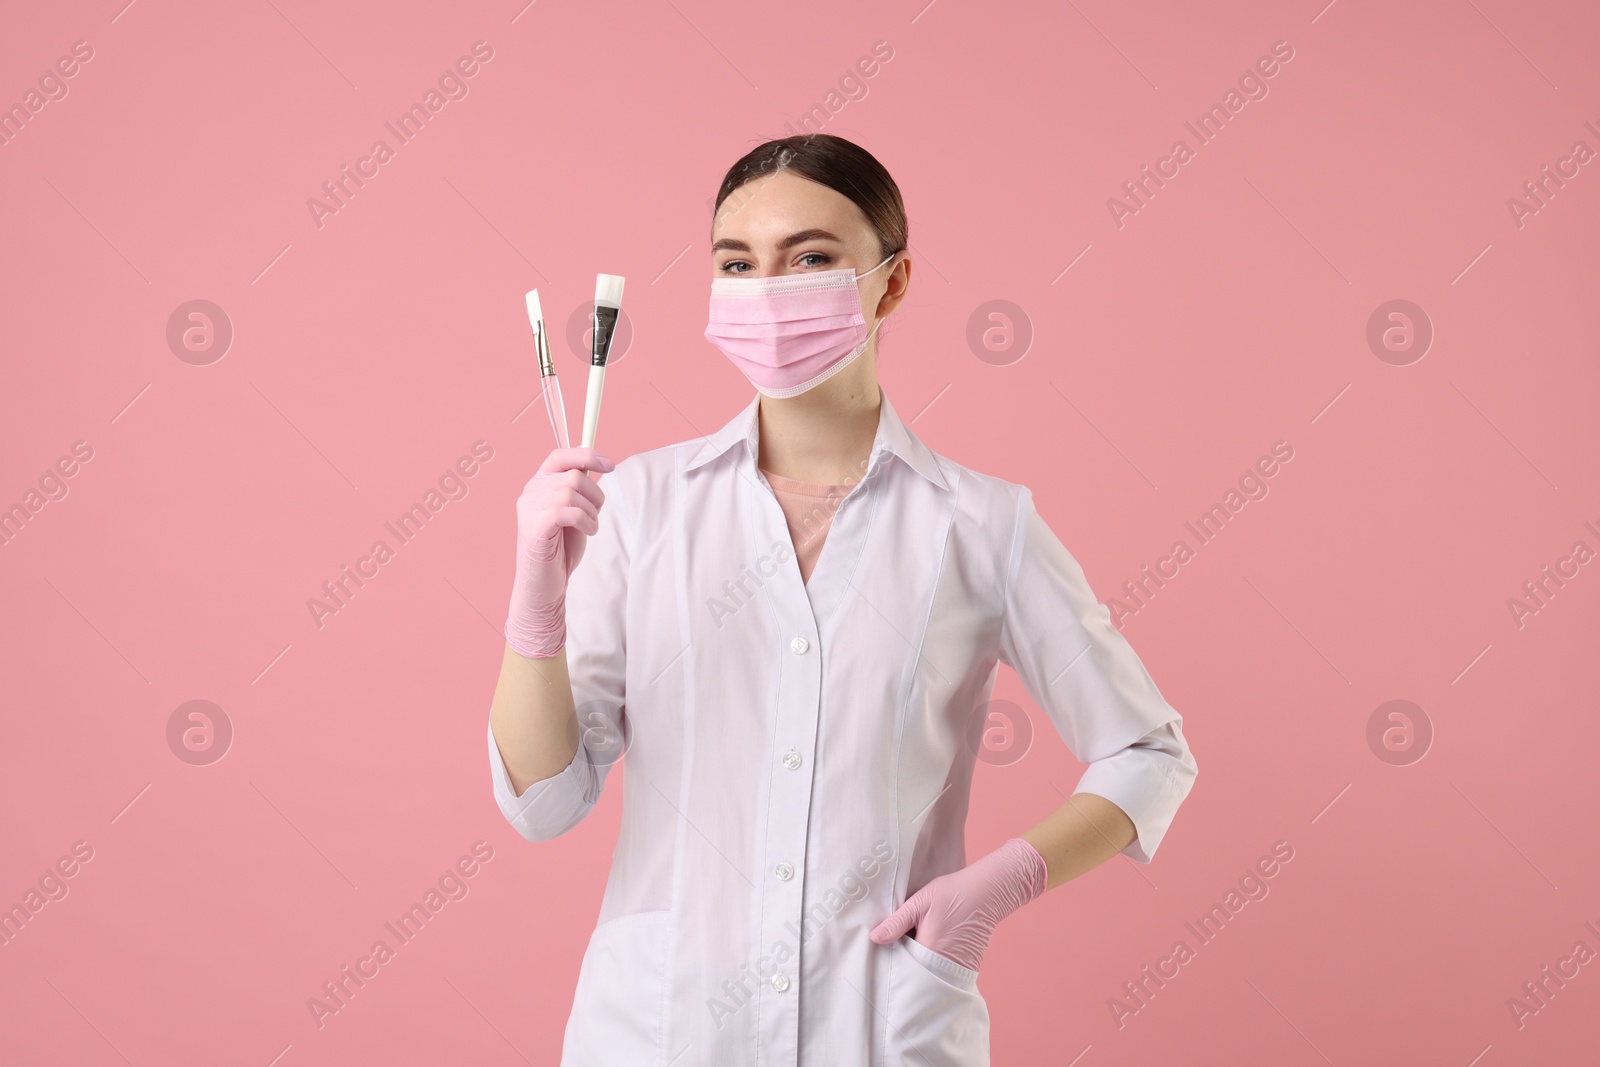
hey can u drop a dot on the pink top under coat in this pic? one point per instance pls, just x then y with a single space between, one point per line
809 507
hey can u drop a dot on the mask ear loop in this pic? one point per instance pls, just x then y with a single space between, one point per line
875 325
886 259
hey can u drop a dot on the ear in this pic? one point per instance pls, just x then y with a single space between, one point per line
895 289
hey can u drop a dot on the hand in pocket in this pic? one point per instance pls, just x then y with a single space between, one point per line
956 913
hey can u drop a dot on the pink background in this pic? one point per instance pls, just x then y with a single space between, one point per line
369 354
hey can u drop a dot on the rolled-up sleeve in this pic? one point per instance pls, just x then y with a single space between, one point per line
1086 677
596 610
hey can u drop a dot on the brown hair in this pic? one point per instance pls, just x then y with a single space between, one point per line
842 166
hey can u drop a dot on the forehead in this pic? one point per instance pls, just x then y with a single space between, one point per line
772 207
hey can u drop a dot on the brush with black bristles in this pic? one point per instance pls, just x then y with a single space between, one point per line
607 306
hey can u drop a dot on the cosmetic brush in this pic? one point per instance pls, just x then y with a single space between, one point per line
551 385
607 306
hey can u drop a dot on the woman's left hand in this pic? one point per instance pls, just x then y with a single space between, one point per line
956 913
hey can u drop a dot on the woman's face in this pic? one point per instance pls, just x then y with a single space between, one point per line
787 224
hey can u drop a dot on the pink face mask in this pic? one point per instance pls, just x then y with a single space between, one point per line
791 332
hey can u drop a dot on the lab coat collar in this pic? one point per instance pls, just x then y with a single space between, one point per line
893 437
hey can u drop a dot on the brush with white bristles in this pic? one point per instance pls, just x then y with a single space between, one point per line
607 306
550 384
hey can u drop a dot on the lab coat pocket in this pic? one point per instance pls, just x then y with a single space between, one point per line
936 1016
949 969
619 1004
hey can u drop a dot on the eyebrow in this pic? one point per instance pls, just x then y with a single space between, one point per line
736 245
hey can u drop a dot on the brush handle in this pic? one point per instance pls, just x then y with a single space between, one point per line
591 406
556 409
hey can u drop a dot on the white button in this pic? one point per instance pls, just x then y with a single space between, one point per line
791 759
784 870
780 982
799 645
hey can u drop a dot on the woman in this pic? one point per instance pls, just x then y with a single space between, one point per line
788 626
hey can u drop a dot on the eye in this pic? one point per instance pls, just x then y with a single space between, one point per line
822 259
726 267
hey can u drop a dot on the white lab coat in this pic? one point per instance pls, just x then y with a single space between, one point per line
799 754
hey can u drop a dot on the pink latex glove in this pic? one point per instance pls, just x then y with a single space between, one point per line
955 914
557 512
